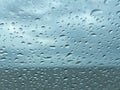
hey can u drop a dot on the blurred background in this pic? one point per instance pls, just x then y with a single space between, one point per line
59 44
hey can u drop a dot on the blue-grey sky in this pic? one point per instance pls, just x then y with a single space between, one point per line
57 33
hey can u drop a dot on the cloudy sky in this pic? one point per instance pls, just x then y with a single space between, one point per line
58 33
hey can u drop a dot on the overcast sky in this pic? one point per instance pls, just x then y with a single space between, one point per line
57 33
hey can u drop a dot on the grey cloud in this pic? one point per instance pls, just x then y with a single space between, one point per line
39 24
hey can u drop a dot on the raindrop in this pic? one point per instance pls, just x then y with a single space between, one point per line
118 13
3 58
96 12
20 54
67 46
93 34
52 47
110 31
42 26
105 1
69 54
48 57
78 62
1 24
37 19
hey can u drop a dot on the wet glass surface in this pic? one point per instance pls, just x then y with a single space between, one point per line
59 44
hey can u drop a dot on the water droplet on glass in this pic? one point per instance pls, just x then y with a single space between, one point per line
118 13
96 12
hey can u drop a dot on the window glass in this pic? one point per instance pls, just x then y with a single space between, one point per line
59 44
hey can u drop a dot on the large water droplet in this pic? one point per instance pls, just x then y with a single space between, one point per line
96 12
